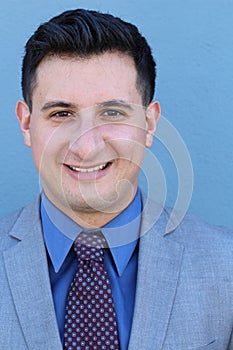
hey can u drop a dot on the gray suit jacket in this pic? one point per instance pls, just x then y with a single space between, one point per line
184 296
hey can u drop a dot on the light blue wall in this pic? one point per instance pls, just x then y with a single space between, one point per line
193 44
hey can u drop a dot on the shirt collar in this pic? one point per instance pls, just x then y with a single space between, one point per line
121 233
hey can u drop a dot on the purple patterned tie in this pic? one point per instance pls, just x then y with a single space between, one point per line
90 321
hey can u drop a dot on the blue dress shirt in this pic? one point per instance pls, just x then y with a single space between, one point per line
120 260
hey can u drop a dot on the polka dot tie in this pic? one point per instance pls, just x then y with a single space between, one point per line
90 321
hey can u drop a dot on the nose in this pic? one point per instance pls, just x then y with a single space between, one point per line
87 139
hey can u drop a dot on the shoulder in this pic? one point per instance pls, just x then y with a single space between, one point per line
204 250
205 246
8 221
16 223
194 234
185 229
194 231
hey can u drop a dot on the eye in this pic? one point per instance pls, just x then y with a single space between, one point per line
61 115
113 114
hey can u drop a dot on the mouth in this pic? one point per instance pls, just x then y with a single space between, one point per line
89 170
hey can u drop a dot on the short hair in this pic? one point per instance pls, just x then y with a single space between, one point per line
84 33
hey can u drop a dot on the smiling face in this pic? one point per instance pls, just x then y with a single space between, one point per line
88 131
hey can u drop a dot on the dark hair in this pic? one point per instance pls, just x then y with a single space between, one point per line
84 33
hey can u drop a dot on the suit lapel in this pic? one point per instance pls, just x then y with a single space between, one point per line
158 272
29 282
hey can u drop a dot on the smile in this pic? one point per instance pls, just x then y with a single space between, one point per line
89 170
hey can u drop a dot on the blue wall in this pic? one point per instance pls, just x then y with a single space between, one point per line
193 45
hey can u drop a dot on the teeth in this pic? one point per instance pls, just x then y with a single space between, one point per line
89 170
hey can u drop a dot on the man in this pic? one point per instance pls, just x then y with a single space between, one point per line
87 114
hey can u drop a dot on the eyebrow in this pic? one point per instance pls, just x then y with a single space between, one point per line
116 103
63 104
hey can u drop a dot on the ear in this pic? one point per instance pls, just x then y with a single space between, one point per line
152 117
24 117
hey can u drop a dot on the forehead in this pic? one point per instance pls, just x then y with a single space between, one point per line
112 75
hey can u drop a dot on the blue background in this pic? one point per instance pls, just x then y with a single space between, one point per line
193 44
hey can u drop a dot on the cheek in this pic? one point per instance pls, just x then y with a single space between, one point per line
127 134
130 141
130 153
43 146
37 148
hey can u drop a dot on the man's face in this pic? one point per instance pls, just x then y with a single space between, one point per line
88 131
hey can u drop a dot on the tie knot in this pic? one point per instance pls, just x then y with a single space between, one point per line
89 246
